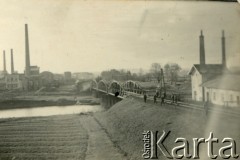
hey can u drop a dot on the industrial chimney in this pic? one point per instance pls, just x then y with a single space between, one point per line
12 62
27 60
223 51
202 50
4 62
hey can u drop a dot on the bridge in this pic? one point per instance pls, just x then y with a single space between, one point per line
121 87
112 92
107 92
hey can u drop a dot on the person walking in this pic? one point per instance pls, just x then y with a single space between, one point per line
162 100
176 99
173 98
145 98
155 98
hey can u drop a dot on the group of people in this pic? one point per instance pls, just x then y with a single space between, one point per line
155 98
174 98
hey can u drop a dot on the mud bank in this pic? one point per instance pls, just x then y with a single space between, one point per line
44 101
127 120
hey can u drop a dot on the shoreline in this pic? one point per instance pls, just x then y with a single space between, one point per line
46 101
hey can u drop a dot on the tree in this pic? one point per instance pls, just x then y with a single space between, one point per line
99 78
171 71
167 71
155 70
140 73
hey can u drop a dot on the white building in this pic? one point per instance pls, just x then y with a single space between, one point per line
223 90
200 74
213 82
13 81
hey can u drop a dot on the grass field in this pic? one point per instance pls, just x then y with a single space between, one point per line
55 137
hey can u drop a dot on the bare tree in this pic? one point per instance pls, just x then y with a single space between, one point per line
155 70
171 71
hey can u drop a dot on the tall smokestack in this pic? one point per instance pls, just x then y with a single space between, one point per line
4 62
12 62
27 60
223 51
202 49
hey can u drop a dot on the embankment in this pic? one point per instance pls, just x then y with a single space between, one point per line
126 121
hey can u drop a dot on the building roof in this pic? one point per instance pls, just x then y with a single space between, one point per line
225 82
208 68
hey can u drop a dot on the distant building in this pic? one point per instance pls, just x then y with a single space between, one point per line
213 82
67 76
59 77
32 80
34 70
2 82
83 75
13 82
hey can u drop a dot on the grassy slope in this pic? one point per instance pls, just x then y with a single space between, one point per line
55 137
126 121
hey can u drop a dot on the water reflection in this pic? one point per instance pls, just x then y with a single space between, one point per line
49 111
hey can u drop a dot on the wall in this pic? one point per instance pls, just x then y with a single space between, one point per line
196 81
223 97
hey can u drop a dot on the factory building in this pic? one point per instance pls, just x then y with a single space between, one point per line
10 81
28 81
14 80
213 82
32 80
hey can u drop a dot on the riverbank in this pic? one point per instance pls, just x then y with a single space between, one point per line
127 120
44 101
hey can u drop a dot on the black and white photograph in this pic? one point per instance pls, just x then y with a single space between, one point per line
119 79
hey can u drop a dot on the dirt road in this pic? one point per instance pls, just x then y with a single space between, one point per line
100 147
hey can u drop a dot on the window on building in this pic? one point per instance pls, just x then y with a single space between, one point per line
214 96
231 97
195 95
222 96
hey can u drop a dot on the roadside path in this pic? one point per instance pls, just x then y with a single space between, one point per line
100 147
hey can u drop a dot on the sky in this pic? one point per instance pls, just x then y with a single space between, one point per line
78 36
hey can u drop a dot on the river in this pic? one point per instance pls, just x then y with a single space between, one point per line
49 111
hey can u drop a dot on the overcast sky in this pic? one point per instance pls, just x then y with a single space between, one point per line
71 35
